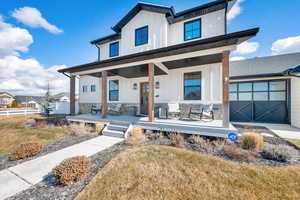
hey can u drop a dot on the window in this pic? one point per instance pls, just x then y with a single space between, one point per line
84 88
259 91
93 88
192 86
141 36
114 49
192 29
114 90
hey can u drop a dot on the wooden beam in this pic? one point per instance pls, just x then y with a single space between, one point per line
104 93
72 94
225 66
151 92
162 67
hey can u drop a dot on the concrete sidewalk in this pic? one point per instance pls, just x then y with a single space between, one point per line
20 177
282 130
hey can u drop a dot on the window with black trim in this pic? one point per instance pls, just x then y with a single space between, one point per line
192 86
192 29
274 90
141 36
113 90
114 49
93 88
84 88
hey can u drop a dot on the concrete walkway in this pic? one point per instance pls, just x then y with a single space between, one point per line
282 130
20 177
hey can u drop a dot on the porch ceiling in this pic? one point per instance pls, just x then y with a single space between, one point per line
131 72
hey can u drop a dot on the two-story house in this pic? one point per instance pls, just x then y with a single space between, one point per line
158 56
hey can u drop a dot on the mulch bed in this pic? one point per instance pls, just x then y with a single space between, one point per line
48 148
49 189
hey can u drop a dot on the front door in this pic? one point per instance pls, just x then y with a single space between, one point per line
144 92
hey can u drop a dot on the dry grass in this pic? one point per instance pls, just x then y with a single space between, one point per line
136 137
160 172
295 142
177 140
12 134
236 153
253 141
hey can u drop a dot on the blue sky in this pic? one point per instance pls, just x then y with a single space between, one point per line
84 20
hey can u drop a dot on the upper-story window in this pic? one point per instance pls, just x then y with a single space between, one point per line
93 88
114 49
84 88
141 36
192 29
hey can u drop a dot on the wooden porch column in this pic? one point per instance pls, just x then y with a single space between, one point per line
104 93
72 95
225 66
151 92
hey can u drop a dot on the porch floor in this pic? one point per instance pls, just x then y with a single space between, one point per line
188 126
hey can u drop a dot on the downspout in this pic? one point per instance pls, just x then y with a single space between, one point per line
98 47
225 18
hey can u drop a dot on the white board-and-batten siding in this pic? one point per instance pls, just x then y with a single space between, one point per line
161 33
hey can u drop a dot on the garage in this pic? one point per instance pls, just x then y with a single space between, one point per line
265 101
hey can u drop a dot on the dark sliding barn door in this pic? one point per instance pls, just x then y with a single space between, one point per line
259 101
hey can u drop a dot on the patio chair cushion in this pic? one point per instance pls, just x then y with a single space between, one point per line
115 107
173 108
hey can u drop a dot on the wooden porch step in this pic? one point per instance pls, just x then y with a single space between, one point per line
115 127
113 133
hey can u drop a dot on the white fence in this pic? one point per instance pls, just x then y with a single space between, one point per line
18 112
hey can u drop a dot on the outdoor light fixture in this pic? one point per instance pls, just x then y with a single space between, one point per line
157 85
135 86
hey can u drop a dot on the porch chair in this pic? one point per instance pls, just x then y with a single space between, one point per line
96 109
115 108
206 111
173 108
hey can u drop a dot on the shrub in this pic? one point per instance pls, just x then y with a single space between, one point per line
177 140
26 150
72 170
281 153
136 137
252 141
236 153
200 143
155 135
80 130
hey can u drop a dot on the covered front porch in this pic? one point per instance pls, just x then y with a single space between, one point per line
161 64
212 128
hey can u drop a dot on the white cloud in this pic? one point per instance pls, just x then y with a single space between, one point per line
28 76
13 39
286 45
247 47
32 17
236 58
235 10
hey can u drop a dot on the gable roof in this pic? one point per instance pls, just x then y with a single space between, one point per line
6 93
24 99
169 11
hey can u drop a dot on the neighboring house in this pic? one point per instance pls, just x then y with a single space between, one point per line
29 101
60 103
6 99
157 56
62 97
265 90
